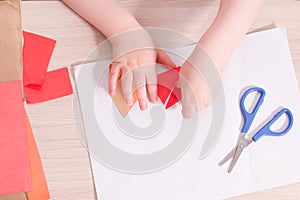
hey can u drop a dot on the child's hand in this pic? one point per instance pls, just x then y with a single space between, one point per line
220 40
194 89
137 64
135 58
195 93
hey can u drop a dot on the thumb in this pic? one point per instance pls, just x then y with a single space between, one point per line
164 59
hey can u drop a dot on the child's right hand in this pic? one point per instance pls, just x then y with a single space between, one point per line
134 60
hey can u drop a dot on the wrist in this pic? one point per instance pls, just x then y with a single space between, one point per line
200 57
133 37
204 65
130 25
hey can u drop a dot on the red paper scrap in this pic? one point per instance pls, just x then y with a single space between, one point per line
174 97
40 85
166 87
37 51
56 84
14 165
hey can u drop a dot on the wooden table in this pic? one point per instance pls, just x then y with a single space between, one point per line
65 160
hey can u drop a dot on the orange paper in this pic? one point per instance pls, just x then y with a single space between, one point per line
119 101
39 189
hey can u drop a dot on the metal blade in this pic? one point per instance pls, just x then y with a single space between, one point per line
228 156
235 158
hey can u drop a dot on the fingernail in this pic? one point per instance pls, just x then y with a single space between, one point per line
153 99
112 92
130 101
143 104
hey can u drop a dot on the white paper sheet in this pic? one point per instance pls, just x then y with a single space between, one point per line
261 59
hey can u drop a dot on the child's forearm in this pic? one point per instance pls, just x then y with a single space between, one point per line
106 15
232 22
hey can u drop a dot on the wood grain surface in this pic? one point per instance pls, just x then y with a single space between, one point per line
64 157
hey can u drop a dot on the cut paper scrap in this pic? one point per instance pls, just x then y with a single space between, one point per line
40 85
174 97
37 51
39 189
14 165
166 87
166 90
16 196
119 101
56 84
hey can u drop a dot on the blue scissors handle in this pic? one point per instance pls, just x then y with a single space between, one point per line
248 117
265 130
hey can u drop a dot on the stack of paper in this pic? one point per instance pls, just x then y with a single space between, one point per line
20 164
14 163
262 59
21 171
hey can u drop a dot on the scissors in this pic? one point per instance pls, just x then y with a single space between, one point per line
243 140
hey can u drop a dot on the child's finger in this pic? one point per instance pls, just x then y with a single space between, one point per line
151 79
126 82
114 74
139 81
188 100
164 59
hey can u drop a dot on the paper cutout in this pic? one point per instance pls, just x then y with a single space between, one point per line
39 189
163 93
40 85
37 51
56 84
174 97
17 196
14 165
166 87
10 41
119 101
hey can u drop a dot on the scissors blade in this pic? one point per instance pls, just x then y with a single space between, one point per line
228 156
235 158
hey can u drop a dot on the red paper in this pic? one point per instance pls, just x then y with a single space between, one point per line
163 93
56 84
174 97
166 87
14 165
40 85
37 51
